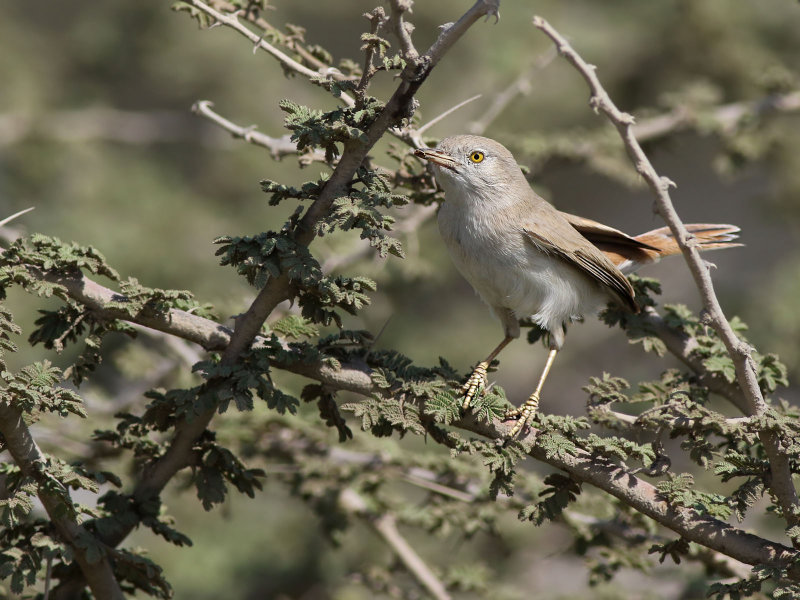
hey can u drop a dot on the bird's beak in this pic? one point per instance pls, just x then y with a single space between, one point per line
438 158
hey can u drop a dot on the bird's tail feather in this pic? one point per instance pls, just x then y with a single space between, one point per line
707 236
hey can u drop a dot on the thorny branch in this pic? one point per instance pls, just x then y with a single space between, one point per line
231 20
377 19
606 475
278 147
293 44
19 442
611 477
157 474
739 351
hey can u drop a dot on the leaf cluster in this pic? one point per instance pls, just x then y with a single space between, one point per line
360 210
324 129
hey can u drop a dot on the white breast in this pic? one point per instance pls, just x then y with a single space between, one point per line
510 272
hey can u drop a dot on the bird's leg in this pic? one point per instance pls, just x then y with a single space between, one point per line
477 380
525 413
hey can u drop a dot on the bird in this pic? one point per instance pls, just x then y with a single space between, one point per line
526 259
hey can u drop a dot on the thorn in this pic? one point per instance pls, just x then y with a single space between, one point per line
445 27
257 45
15 215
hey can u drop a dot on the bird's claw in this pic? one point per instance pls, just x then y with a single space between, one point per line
476 382
524 414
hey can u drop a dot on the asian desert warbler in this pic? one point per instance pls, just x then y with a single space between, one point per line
527 259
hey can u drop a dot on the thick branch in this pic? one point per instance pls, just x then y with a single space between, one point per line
608 476
354 377
206 333
157 474
29 458
739 351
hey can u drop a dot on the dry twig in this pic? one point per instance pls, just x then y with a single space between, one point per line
386 526
739 351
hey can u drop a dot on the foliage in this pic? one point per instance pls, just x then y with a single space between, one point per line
388 439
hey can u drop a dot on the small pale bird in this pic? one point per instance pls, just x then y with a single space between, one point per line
527 259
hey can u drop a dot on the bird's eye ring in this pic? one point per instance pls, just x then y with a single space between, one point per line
476 156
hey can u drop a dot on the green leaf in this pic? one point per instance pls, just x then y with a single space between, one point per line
444 408
723 365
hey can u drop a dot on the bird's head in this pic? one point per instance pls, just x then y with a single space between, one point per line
472 165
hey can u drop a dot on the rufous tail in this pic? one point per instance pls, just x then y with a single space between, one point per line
660 242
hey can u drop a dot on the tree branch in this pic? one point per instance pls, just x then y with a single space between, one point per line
158 473
726 116
231 20
100 123
278 147
29 458
402 29
521 85
377 19
446 113
386 526
293 44
740 352
355 377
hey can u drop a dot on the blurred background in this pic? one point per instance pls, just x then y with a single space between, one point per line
97 134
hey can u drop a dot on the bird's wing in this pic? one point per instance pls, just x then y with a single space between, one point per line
597 233
628 253
576 250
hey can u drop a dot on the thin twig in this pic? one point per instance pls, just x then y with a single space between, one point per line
435 120
386 526
639 421
278 147
433 486
231 20
739 351
100 123
48 576
10 218
402 29
377 19
726 117
520 86
292 42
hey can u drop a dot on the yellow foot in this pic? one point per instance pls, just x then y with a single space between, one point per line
523 415
475 383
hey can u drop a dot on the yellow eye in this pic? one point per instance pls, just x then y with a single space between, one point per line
476 156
